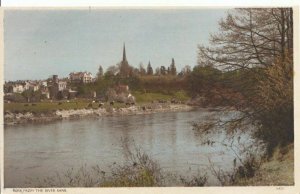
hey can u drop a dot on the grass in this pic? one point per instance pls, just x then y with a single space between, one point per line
151 96
279 170
48 106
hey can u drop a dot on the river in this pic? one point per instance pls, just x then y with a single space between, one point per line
40 150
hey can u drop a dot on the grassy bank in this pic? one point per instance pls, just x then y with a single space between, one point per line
142 97
48 106
279 170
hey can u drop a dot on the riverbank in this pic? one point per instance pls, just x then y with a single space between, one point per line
277 171
13 118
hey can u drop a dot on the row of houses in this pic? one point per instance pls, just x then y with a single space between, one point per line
21 86
50 88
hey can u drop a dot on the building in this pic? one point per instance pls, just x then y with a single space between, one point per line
34 87
45 92
62 85
44 83
125 69
81 77
57 88
17 88
21 86
26 85
72 93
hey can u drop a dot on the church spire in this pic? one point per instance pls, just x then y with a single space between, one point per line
124 53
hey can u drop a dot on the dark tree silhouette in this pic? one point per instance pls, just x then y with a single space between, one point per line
149 69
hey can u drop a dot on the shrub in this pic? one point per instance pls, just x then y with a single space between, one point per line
139 170
198 180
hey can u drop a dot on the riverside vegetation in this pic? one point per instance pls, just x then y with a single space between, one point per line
248 67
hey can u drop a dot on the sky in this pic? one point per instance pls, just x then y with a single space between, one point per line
40 43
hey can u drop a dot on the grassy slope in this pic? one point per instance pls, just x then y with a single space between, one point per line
150 96
279 170
47 106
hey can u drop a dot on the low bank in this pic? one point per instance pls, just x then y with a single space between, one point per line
276 171
11 118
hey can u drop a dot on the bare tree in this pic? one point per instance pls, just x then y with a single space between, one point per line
250 38
259 42
142 70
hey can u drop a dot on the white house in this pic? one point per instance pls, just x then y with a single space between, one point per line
62 85
18 88
81 77
34 87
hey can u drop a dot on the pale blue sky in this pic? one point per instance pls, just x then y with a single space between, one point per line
40 43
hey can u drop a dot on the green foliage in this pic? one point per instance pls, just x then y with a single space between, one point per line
202 79
149 97
167 84
100 72
181 95
16 97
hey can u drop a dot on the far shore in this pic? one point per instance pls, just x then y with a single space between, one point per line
12 118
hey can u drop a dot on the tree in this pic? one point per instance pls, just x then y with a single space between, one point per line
149 69
112 71
275 99
249 38
163 70
136 71
259 43
157 71
203 79
125 69
142 70
28 94
173 67
186 70
100 72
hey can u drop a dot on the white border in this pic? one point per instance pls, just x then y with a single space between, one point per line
178 190
154 3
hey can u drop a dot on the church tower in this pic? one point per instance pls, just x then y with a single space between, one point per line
125 69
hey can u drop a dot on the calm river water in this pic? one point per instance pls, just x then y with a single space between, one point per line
42 150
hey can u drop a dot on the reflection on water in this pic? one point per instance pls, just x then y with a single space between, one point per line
42 150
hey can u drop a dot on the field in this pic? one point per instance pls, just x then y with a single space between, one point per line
151 96
48 106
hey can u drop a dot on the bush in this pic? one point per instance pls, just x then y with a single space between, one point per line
15 98
245 170
198 180
139 170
